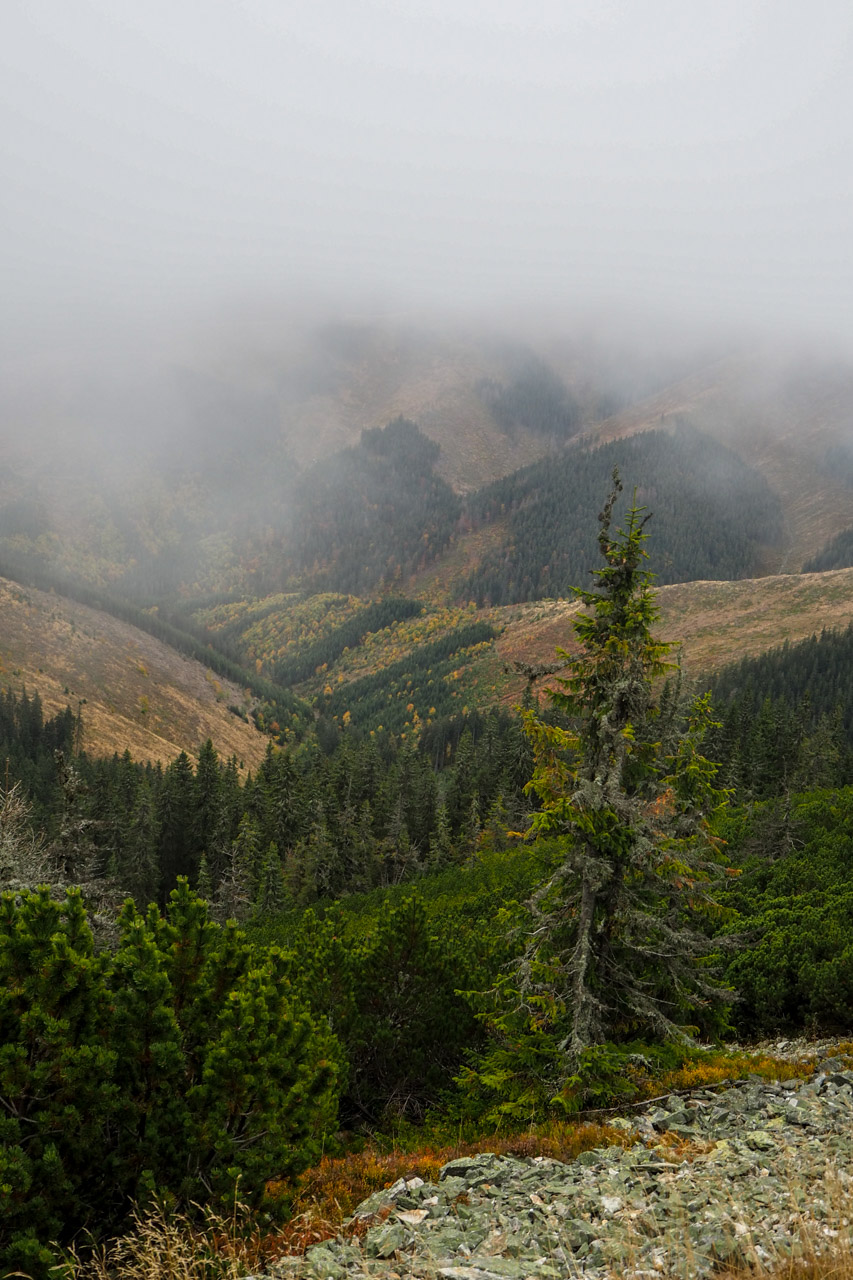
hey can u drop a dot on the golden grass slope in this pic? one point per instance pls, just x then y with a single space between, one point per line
134 691
714 622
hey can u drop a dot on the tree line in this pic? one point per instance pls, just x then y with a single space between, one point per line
374 810
305 826
786 716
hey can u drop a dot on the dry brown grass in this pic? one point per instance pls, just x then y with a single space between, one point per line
331 1191
719 1070
834 1268
136 693
163 1246
713 622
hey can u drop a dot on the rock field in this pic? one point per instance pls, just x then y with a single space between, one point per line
738 1175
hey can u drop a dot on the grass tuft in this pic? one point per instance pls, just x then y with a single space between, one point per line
171 1246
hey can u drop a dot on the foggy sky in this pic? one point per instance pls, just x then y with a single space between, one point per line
162 157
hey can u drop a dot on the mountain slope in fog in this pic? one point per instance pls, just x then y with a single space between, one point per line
786 417
235 468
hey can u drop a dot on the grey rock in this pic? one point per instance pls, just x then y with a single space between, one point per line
612 1211
385 1240
380 1199
761 1140
470 1166
485 1269
323 1263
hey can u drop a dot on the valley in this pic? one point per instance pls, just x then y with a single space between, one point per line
477 506
426 641
268 680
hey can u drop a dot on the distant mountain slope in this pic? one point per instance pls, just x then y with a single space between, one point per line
229 437
364 518
352 376
714 516
136 693
786 418
183 477
715 623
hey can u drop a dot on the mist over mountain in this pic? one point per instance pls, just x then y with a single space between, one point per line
164 163
343 305
327 333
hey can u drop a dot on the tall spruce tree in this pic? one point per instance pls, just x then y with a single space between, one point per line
271 898
615 945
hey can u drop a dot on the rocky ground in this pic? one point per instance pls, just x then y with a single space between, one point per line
751 1173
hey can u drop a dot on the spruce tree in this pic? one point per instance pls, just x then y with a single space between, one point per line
271 898
441 840
615 942
204 883
176 852
234 895
139 875
210 836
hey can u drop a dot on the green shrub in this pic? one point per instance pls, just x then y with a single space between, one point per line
793 967
391 995
174 1069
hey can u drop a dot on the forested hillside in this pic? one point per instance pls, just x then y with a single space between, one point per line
379 865
369 809
377 514
218 492
837 554
372 514
534 400
714 516
787 716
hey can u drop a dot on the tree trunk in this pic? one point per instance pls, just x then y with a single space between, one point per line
581 997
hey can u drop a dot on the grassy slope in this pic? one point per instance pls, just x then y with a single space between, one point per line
716 622
139 694
52 644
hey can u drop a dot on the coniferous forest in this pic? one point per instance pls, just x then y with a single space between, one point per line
426 641
714 516
212 975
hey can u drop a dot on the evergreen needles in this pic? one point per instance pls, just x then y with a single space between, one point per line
615 947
